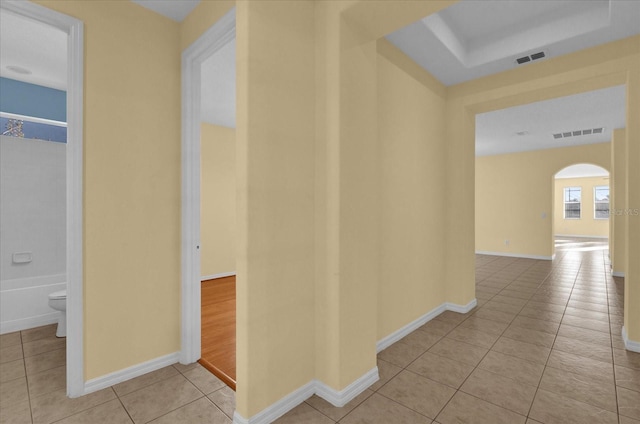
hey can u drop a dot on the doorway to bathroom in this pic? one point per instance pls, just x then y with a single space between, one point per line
72 78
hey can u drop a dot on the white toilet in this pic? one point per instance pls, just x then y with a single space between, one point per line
58 301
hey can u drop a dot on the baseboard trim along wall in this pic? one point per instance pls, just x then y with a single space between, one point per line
344 396
214 276
286 404
630 344
414 325
129 373
516 255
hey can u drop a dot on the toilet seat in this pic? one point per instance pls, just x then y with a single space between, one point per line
62 294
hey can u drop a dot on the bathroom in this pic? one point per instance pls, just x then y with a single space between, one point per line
32 175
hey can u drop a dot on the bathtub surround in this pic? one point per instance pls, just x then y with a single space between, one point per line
32 222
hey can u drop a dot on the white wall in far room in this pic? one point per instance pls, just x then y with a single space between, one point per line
32 219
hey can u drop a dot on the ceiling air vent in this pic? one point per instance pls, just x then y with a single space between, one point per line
578 133
525 59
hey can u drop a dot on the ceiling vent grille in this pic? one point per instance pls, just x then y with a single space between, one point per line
534 56
578 133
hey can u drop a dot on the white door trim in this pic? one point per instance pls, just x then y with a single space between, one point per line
216 37
75 69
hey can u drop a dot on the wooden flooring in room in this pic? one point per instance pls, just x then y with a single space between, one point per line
219 328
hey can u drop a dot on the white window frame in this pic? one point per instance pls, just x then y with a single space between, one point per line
564 202
595 201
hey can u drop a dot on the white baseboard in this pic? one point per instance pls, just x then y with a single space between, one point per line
409 328
214 276
27 323
461 309
129 373
346 395
414 325
617 274
515 255
287 403
630 344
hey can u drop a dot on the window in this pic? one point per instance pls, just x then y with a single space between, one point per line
601 202
572 202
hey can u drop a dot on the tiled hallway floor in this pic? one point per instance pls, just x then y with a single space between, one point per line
33 389
543 346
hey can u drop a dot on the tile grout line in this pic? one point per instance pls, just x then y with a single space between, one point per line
555 337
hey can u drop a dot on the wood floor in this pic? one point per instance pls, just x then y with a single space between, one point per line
219 328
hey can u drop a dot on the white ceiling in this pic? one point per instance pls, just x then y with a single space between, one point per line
176 9
472 39
34 46
497 131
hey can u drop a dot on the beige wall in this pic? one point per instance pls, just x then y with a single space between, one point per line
217 200
618 218
275 160
412 169
131 184
587 225
514 199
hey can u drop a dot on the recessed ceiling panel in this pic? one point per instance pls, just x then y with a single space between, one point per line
472 38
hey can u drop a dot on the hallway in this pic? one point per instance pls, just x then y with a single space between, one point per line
543 343
543 346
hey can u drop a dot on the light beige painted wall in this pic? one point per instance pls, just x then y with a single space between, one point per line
131 184
514 199
275 176
632 219
410 127
201 18
618 218
217 200
586 225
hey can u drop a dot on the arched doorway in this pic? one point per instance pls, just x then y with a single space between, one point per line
581 207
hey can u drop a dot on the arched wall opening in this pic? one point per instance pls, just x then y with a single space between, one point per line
581 195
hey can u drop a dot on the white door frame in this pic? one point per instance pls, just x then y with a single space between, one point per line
216 37
75 62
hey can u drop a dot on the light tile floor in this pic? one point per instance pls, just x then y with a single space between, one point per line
543 346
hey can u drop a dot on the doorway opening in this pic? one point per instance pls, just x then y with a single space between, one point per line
218 214
208 201
72 77
581 208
